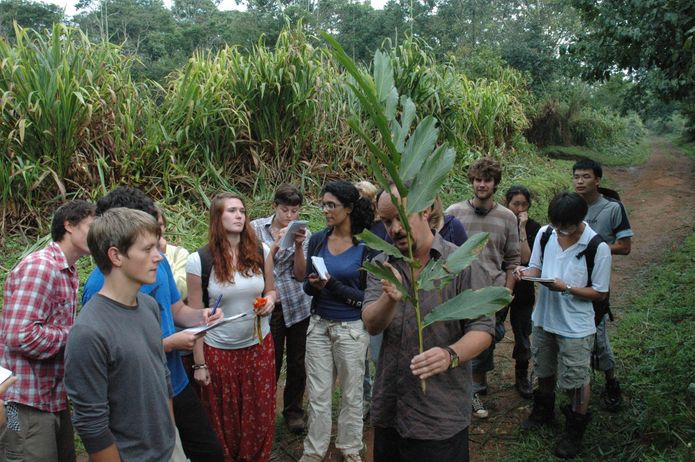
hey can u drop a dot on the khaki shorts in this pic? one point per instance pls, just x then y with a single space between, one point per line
568 358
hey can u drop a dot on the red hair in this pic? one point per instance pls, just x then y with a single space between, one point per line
249 259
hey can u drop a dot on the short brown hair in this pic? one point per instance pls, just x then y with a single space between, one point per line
288 194
118 227
486 168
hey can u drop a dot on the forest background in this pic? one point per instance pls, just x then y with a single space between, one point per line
185 100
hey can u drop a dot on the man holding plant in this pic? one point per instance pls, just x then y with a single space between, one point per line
409 424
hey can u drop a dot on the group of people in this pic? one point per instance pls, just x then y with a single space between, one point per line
176 356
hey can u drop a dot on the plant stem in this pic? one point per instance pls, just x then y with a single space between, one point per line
416 303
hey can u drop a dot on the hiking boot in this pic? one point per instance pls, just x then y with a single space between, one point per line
543 412
523 384
479 410
570 442
611 395
295 424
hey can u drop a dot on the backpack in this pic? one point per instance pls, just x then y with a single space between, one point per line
600 307
206 268
613 194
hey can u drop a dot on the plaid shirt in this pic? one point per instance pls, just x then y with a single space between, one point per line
40 297
296 305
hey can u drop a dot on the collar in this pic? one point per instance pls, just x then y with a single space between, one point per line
57 253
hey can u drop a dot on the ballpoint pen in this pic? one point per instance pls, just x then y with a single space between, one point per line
216 305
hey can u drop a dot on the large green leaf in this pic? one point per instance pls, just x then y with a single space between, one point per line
383 75
407 119
430 179
458 260
434 271
419 147
380 271
470 304
365 90
375 242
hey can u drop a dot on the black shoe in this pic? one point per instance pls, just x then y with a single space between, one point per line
522 384
611 395
570 442
543 412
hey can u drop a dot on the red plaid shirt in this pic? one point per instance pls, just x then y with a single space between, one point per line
38 311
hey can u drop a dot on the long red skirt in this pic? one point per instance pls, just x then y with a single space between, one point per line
240 400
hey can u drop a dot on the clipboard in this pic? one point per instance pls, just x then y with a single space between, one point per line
288 238
221 322
534 279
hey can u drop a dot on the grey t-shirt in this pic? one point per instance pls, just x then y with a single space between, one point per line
607 218
118 381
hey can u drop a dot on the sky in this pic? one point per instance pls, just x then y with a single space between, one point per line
69 5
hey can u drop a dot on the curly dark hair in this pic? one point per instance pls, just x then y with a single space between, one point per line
130 198
73 212
486 168
362 214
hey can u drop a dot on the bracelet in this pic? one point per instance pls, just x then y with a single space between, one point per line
195 367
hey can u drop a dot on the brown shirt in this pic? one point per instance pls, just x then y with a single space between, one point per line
398 401
501 251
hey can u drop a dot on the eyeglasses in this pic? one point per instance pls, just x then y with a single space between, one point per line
329 206
569 230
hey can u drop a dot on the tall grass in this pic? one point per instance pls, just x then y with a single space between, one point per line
74 123
68 110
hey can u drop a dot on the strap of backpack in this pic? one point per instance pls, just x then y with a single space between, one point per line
545 237
589 253
205 269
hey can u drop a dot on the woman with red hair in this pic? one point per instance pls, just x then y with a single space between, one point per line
236 364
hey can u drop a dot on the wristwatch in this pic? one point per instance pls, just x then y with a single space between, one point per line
454 357
567 290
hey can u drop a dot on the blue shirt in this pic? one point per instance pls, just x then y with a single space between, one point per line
344 268
164 291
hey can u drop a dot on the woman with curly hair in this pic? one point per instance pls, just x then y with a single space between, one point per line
336 337
236 364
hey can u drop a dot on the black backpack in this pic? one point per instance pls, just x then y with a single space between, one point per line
206 268
600 307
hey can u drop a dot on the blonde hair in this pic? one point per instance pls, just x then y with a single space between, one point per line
118 227
367 190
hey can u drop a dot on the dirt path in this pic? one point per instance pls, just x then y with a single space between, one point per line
660 202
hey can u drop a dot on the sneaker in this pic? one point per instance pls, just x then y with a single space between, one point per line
612 397
478 407
352 457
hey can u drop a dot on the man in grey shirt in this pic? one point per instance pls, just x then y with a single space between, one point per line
607 217
408 424
115 370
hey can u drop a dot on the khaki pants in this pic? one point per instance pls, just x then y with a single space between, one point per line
339 346
37 436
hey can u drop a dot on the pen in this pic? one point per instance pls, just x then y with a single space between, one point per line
217 304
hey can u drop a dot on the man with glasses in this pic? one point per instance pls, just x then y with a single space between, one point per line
606 216
563 319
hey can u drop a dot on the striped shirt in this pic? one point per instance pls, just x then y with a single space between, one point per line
501 251
40 298
296 305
